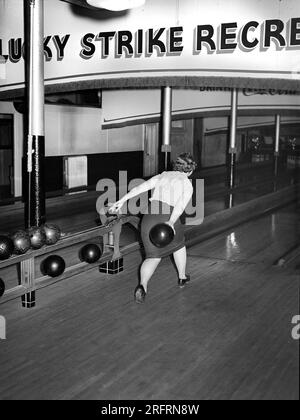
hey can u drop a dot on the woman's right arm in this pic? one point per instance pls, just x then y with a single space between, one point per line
145 186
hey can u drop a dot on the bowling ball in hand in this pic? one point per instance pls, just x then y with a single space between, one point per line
90 253
52 233
6 247
161 235
37 237
53 266
2 287
21 242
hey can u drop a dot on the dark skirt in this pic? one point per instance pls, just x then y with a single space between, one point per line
157 214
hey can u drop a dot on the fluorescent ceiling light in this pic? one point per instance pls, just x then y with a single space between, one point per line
116 5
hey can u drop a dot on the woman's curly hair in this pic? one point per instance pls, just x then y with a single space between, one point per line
184 163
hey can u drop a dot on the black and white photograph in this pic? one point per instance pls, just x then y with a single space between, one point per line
149 203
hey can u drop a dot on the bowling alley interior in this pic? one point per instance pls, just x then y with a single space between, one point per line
94 94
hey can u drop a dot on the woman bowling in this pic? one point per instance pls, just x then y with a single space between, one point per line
172 193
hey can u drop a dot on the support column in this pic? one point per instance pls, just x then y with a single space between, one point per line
35 209
232 146
166 127
198 140
277 144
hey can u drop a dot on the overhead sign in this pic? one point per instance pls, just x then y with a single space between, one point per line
163 38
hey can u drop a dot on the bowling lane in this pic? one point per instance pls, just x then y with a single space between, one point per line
263 240
220 201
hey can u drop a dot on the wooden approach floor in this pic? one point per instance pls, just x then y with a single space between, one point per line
226 336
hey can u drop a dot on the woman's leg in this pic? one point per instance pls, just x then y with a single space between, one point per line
180 261
147 270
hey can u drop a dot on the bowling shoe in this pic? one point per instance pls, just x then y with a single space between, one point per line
139 294
182 282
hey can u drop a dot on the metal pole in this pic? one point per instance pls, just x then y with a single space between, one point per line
167 121
277 137
233 121
36 126
232 146
277 144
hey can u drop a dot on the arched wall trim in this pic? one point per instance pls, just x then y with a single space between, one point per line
188 82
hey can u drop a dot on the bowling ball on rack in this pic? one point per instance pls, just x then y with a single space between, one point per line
161 235
6 247
90 253
21 242
52 233
53 266
2 287
37 237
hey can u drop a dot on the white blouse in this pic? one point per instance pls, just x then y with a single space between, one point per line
172 187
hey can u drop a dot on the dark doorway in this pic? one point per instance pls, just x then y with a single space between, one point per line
6 157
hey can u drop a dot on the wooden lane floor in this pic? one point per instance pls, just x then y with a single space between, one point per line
263 240
227 335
